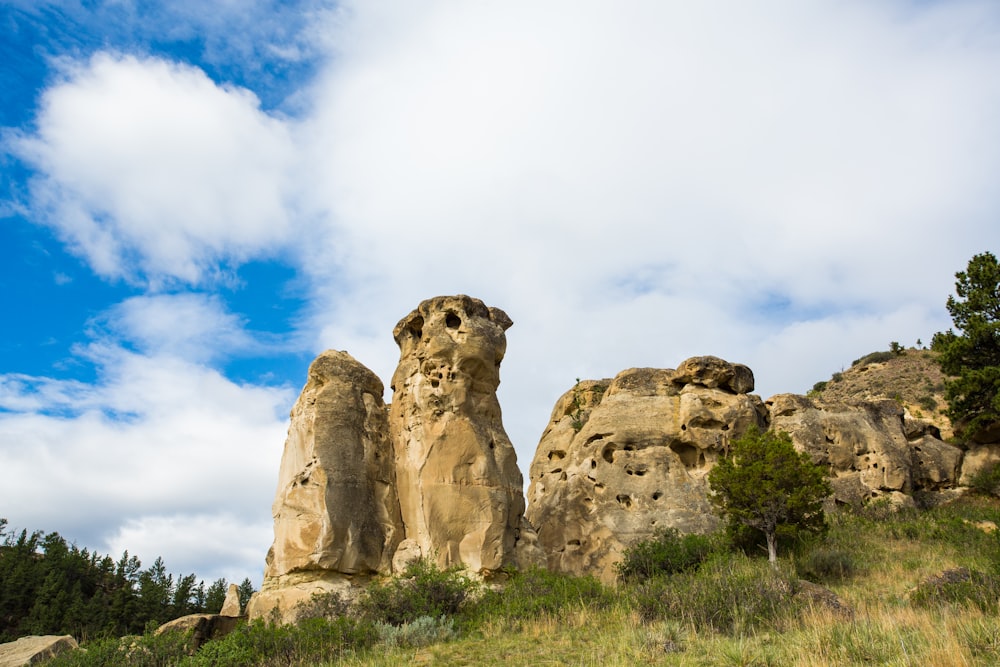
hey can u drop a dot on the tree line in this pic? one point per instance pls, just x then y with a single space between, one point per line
51 587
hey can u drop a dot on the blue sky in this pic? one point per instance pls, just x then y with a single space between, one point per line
197 198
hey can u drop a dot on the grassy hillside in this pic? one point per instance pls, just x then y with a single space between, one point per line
732 609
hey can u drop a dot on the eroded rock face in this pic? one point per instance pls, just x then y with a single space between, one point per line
866 446
460 490
34 650
623 458
336 512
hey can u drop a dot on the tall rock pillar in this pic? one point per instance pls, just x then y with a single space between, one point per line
459 487
336 513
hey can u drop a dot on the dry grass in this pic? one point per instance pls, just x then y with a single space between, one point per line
893 557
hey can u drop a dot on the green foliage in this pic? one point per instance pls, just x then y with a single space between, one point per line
874 358
987 480
819 386
533 592
312 641
667 553
423 590
48 586
328 605
973 355
960 586
896 349
733 595
147 650
422 631
766 485
825 564
837 377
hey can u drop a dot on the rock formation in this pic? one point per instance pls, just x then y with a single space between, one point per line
231 605
34 650
871 451
336 512
363 489
460 490
624 458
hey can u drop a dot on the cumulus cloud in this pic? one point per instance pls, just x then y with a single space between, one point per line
785 187
151 170
153 440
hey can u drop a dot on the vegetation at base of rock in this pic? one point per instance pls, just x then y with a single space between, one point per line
987 480
729 595
973 354
423 590
667 553
911 610
51 587
766 485
536 592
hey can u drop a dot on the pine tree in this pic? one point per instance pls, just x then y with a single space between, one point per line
767 485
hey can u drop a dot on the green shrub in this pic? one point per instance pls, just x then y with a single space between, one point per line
819 386
959 586
928 402
327 605
987 480
147 650
536 591
312 641
825 564
732 595
423 631
873 358
422 590
667 553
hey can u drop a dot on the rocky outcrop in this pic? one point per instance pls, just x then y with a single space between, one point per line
624 458
868 446
460 490
364 489
34 650
202 628
231 605
336 513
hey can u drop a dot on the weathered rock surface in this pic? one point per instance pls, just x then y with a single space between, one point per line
231 605
460 490
336 512
624 458
203 627
34 650
865 446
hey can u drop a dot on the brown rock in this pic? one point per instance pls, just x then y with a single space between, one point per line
34 650
231 605
460 490
624 458
864 445
203 627
977 459
336 513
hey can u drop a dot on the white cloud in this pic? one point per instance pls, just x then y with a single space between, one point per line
151 169
155 440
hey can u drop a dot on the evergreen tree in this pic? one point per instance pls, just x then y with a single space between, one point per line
767 485
973 354
215 596
246 589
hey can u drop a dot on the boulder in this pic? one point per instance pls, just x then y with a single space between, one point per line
203 628
864 445
231 605
977 459
34 650
622 459
336 513
459 487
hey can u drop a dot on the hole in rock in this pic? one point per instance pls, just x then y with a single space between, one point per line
563 478
629 447
416 327
304 481
688 454
624 501
599 486
452 321
657 495
684 427
608 454
557 455
573 543
593 464
725 427
552 472
435 383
